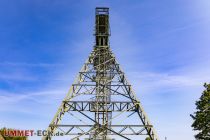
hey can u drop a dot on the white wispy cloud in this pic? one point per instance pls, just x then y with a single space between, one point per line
165 79
16 75
25 64
39 97
193 24
20 71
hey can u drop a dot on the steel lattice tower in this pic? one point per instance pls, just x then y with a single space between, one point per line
101 94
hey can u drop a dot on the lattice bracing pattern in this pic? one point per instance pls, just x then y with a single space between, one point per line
101 96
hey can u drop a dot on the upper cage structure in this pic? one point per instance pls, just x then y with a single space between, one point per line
102 26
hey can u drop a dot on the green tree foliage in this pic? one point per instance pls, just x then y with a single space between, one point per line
147 138
10 138
202 115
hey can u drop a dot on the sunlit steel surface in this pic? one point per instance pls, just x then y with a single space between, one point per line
103 80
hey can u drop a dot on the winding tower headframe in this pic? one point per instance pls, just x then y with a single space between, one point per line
110 96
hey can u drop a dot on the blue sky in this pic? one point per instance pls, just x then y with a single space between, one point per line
163 47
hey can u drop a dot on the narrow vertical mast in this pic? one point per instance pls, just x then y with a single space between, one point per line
103 77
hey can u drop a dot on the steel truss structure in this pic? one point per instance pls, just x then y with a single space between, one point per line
101 93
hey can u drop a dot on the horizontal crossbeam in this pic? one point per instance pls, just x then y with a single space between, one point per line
100 85
120 129
101 106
